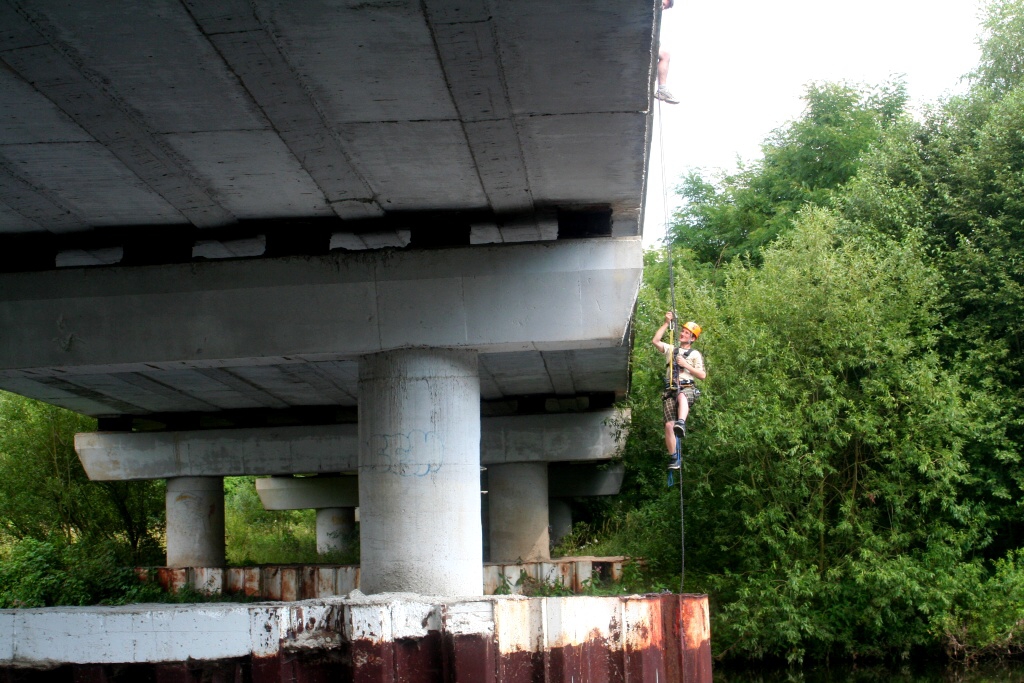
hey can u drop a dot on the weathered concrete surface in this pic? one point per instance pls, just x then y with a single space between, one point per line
294 110
334 527
117 456
518 505
393 637
195 522
283 332
419 472
552 438
303 493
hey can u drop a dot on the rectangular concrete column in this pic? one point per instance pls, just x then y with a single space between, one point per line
518 502
419 472
195 522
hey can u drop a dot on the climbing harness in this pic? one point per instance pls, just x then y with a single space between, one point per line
671 327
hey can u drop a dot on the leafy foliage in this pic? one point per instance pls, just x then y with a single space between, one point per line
258 536
958 178
854 469
1002 52
36 573
989 621
804 163
837 444
45 493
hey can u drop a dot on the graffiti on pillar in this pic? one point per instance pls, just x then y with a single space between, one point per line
413 454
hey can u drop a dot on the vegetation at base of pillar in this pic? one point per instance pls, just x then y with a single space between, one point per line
853 483
258 536
63 538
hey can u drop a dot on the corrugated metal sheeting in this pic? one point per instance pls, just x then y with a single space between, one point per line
304 582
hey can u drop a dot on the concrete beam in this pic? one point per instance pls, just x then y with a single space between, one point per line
562 437
564 480
550 296
567 480
303 493
330 449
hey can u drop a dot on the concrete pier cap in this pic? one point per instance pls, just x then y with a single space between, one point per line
303 493
529 443
329 449
419 472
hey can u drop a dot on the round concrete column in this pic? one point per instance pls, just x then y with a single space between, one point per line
333 527
518 500
419 472
560 515
195 522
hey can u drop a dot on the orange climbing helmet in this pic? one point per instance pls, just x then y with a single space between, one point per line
693 327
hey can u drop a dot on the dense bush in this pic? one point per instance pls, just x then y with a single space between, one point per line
852 476
44 573
258 536
44 492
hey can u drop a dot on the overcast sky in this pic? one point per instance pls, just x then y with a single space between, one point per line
739 68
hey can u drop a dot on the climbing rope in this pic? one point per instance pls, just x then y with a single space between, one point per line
671 338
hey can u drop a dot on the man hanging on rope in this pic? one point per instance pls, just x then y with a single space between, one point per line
686 364
664 57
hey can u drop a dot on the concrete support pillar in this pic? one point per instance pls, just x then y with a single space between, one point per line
195 522
333 529
518 500
419 472
560 514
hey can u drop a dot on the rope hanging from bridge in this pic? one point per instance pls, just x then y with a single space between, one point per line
672 341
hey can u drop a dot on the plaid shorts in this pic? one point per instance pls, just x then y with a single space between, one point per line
669 407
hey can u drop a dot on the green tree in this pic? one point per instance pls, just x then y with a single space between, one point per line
44 491
805 162
959 177
829 473
856 476
1002 50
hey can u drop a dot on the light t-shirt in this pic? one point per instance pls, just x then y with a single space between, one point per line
694 359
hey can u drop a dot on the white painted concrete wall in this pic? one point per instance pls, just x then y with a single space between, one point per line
169 633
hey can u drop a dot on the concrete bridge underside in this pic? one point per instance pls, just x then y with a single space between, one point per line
394 215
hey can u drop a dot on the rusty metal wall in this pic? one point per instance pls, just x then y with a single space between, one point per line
304 582
627 639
